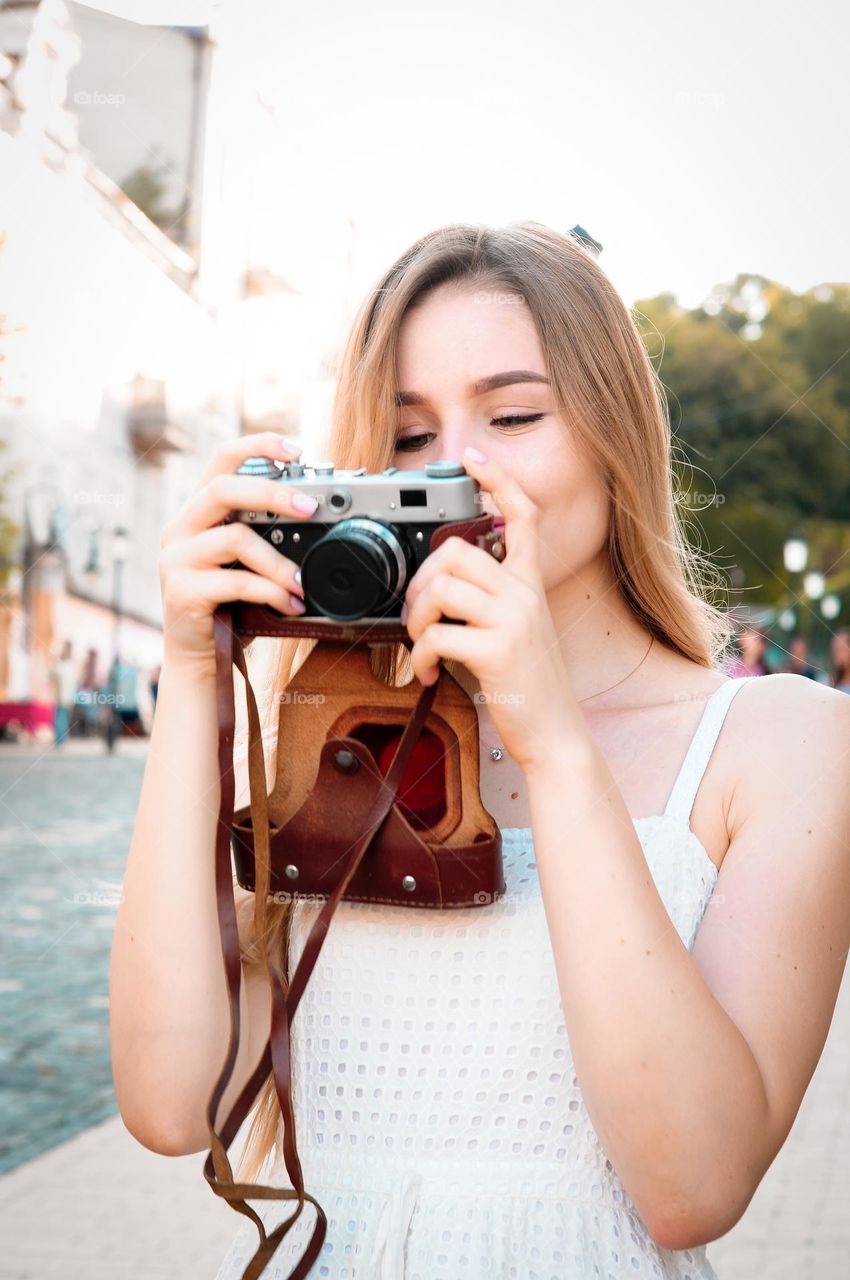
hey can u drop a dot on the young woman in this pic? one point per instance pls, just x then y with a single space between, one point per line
591 1075
840 655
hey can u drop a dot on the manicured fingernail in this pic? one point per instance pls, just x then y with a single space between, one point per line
304 502
475 454
405 612
297 576
297 603
290 444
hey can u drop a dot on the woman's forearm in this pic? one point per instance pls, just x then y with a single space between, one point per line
169 1016
671 1086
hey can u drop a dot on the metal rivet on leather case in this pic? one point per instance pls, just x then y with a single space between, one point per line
408 883
346 761
291 870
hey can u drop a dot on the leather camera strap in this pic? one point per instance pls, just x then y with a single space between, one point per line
276 1058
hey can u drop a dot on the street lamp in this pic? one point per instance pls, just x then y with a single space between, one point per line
814 584
120 541
795 553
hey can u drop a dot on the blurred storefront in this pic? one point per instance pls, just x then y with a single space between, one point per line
143 317
114 384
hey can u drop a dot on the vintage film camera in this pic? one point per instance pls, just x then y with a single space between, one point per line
369 533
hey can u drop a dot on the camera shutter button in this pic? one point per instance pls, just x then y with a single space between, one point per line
444 470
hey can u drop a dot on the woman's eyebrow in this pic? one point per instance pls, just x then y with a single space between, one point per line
490 383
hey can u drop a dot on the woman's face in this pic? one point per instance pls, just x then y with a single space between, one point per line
841 650
458 336
753 644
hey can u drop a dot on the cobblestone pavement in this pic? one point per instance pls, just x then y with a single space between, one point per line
66 818
99 1206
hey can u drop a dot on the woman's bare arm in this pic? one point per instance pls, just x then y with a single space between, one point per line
693 1065
169 1010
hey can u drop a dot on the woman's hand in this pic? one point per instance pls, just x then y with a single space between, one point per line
196 546
509 642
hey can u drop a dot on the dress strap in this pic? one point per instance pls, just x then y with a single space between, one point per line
694 765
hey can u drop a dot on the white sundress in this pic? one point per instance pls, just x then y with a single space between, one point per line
439 1120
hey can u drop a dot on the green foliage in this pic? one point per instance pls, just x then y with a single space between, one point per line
145 188
9 530
757 381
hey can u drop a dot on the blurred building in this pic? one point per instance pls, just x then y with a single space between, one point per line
139 330
114 385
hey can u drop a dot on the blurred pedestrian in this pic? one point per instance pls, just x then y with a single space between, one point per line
797 661
124 681
751 662
839 652
89 678
63 674
89 695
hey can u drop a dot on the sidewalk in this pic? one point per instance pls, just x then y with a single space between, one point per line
101 1206
82 748
797 1224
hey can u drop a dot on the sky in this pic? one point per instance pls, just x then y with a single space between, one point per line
693 141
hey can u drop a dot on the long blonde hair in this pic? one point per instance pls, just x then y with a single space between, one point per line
608 390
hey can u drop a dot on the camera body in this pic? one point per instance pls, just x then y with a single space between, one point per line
369 533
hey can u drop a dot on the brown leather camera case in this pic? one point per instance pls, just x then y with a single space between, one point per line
335 824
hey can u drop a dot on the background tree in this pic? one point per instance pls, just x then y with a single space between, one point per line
758 387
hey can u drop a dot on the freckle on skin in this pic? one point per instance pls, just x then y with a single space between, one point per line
514 795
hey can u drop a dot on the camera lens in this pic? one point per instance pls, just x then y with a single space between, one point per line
355 570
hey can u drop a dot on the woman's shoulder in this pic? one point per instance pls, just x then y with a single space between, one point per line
790 736
786 710
791 696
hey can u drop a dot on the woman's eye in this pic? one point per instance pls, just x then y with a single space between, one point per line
509 422
518 420
406 444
